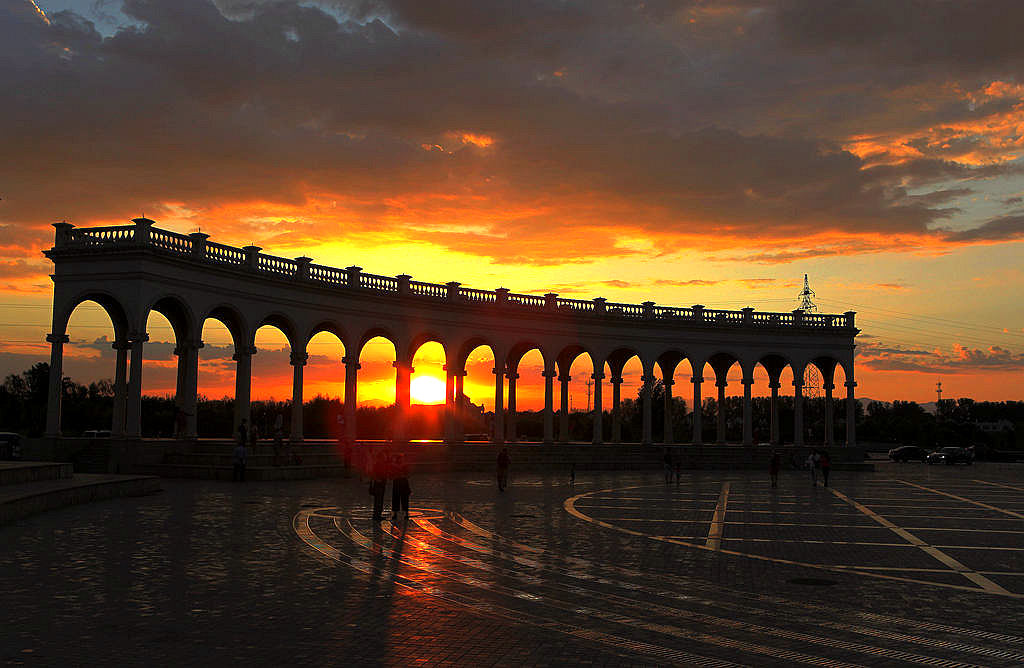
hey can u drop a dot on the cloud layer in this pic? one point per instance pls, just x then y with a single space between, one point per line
539 132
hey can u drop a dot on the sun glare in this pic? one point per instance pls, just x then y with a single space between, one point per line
427 390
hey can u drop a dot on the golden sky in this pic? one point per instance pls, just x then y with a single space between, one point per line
683 152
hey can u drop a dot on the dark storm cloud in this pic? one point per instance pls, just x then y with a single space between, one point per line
951 34
661 119
1007 228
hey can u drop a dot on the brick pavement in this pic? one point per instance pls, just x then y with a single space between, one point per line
926 566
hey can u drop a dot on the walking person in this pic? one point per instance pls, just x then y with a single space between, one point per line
773 467
504 462
813 461
826 467
400 489
667 461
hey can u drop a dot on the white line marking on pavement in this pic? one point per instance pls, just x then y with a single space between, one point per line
964 499
718 519
955 565
999 484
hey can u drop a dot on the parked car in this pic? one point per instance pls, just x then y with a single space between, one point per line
10 445
950 455
907 452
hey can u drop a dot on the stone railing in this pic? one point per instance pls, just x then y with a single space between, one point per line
197 248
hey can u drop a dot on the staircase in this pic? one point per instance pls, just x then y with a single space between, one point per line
27 488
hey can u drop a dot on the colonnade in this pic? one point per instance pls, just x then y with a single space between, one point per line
127 411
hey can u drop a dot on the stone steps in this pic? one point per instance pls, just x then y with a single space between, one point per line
310 457
13 473
252 473
35 495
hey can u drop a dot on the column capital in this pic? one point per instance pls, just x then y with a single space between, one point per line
721 383
138 337
549 374
851 384
124 345
511 375
186 347
615 380
648 379
828 386
697 379
498 371
243 351
348 361
597 376
57 338
402 365
668 382
747 381
798 383
298 359
774 384
565 379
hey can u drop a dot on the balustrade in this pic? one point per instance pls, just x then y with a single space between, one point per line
103 239
272 264
376 282
170 241
221 254
329 275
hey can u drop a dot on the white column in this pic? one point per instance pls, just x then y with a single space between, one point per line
829 426
56 383
563 419
748 416
646 392
549 405
243 384
450 401
720 426
120 388
186 398
598 409
668 437
798 413
298 362
403 376
510 423
499 405
774 409
698 428
133 412
460 403
351 397
616 381
851 415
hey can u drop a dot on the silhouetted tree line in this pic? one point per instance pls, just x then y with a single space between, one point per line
958 422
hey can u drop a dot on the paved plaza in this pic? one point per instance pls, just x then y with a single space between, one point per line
908 565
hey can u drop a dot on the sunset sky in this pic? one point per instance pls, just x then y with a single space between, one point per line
683 152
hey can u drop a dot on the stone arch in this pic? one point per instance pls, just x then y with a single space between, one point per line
116 311
466 348
178 313
422 338
373 333
59 411
281 322
231 318
330 327
519 350
568 354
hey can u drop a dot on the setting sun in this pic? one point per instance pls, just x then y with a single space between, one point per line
427 390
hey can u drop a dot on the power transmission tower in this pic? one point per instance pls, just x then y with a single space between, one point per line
938 393
589 383
813 390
